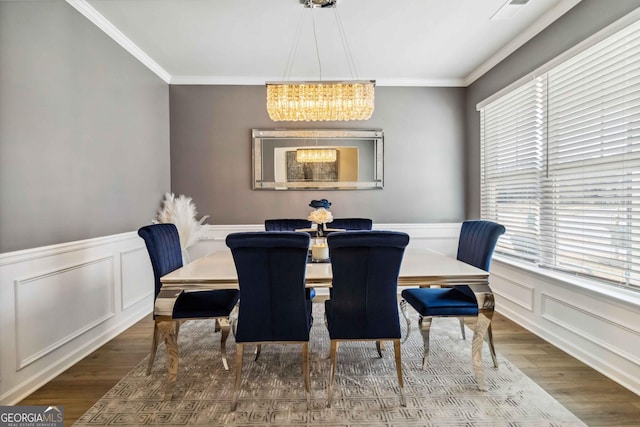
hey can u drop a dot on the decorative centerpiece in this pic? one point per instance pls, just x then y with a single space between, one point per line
320 216
182 212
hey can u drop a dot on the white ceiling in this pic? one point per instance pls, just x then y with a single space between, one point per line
401 42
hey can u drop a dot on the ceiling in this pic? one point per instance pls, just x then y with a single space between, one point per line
396 43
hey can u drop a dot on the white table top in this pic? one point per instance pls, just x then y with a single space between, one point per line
419 266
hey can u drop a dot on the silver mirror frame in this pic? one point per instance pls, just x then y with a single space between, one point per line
325 136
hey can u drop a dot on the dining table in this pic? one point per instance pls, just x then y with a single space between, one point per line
419 268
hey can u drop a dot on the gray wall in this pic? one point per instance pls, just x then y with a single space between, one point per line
584 20
424 137
84 130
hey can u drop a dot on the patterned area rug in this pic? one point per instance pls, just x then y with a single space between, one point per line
365 391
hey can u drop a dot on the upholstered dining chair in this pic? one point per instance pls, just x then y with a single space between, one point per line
351 224
290 225
271 269
163 245
364 301
476 244
286 224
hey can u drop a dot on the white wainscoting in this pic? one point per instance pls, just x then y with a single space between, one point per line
61 302
596 324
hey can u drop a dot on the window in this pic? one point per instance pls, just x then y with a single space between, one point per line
561 164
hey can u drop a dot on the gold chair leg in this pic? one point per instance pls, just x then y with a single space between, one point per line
236 386
332 369
398 353
464 336
154 347
405 314
492 349
224 327
425 326
306 373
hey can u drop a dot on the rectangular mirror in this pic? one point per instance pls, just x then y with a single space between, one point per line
312 159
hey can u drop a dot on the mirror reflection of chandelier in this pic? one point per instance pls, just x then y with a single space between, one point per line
321 100
316 155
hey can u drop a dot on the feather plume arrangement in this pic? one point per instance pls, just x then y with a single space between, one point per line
182 212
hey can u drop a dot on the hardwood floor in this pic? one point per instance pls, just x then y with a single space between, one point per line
595 399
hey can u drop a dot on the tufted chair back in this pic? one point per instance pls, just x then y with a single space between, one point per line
477 241
365 267
286 224
163 245
271 269
351 223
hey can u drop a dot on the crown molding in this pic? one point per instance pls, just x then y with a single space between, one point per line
543 22
260 81
103 23
421 82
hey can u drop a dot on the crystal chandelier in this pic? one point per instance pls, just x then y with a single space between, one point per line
321 100
316 155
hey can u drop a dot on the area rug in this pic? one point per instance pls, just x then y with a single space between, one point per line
365 390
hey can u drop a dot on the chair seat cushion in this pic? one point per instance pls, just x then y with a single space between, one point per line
217 303
441 301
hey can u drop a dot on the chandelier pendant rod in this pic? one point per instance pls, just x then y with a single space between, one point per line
315 39
345 45
294 48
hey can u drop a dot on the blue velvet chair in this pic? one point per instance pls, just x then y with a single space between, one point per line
286 224
271 269
364 301
163 245
351 224
290 225
476 244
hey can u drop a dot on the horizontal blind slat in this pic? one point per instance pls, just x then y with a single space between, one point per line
560 164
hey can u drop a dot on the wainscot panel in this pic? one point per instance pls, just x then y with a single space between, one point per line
61 302
595 323
135 272
41 326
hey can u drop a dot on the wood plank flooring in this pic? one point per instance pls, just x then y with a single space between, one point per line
595 399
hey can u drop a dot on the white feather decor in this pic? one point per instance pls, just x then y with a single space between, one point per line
182 212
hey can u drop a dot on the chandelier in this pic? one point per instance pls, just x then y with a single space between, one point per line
316 155
321 100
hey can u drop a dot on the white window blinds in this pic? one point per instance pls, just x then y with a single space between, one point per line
561 164
593 184
512 165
